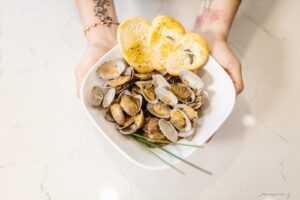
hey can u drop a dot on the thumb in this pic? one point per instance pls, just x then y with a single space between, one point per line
226 58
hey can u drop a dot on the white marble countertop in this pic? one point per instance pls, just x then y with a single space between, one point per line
50 150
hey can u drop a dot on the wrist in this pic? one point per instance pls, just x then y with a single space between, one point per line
102 37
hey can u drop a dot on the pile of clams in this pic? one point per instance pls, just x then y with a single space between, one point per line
156 105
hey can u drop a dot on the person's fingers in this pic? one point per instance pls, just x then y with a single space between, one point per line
88 59
224 55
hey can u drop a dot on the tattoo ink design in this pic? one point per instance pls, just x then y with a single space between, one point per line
101 12
208 15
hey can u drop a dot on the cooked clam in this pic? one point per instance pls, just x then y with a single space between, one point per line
139 120
159 109
166 96
147 90
95 96
129 105
191 113
172 103
111 69
180 120
129 130
138 100
168 130
183 92
121 80
128 122
109 97
191 79
132 124
117 113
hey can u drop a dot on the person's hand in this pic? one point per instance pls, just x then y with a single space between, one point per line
97 47
220 50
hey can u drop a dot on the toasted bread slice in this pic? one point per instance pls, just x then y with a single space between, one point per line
164 33
191 52
132 37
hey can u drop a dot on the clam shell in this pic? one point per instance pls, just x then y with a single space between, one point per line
160 110
127 123
188 133
139 120
189 111
109 97
180 120
168 130
129 105
166 96
117 82
160 81
111 69
117 113
183 92
148 91
129 71
95 96
129 130
191 79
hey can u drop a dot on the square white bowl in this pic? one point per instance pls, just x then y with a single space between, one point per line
221 100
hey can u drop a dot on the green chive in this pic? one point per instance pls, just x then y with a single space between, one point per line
183 160
160 158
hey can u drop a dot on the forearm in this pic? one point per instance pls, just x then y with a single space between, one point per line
215 17
94 11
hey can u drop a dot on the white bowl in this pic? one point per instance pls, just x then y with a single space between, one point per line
221 99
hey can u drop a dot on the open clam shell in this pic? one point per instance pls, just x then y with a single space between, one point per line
111 69
117 82
133 125
160 110
180 120
148 91
166 96
191 113
191 79
117 113
168 130
109 97
129 105
183 92
128 122
189 133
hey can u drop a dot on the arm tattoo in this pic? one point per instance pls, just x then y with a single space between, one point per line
101 11
208 15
